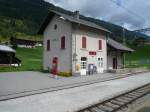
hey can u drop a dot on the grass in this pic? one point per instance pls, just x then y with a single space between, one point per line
140 57
31 60
145 109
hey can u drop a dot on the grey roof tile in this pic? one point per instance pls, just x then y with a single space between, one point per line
70 18
81 21
6 49
118 45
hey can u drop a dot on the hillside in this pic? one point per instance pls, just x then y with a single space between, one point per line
22 18
140 57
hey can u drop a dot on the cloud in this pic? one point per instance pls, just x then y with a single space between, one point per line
132 14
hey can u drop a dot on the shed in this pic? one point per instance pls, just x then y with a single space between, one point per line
7 56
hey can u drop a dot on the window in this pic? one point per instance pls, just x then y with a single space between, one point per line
83 42
100 62
100 45
63 42
83 62
83 59
48 45
55 26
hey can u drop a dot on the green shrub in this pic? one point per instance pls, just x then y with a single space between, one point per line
65 74
45 71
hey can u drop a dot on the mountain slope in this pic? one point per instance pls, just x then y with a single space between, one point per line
22 10
26 16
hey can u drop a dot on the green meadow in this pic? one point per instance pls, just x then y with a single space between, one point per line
140 57
31 60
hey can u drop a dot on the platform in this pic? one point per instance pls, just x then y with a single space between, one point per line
16 84
70 100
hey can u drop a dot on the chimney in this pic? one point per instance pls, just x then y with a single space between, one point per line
76 14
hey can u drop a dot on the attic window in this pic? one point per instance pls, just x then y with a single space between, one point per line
55 27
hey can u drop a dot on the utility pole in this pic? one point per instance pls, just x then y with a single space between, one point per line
124 43
124 38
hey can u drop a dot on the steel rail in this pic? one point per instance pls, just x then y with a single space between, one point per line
120 102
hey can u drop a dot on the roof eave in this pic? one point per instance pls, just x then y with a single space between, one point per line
45 22
9 51
126 50
52 13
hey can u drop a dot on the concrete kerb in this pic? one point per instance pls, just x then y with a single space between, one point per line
134 73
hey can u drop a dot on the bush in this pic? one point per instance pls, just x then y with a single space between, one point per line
65 74
45 71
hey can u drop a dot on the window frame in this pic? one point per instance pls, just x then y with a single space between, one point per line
63 42
83 62
48 45
84 42
55 26
99 44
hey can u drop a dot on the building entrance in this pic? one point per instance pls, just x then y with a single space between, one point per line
83 66
100 65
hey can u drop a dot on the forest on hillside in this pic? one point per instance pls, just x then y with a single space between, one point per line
22 18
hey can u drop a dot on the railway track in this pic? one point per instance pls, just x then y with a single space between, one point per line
120 102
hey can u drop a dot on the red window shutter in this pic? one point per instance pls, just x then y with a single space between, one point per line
83 42
63 42
48 45
100 44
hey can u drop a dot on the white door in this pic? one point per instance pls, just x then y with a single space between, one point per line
100 68
83 66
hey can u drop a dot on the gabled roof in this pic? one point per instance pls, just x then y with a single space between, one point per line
118 45
6 49
70 18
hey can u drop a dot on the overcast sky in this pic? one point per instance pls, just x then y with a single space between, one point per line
132 14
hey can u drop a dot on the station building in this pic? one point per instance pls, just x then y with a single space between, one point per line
72 44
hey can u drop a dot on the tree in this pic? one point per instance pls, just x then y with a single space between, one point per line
13 42
140 41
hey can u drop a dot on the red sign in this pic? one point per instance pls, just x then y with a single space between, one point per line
92 53
55 66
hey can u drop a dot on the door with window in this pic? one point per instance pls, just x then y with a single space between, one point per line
114 63
83 65
100 68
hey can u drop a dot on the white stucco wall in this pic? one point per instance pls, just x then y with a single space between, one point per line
119 60
92 39
64 56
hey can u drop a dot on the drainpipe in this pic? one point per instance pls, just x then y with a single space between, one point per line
74 54
107 37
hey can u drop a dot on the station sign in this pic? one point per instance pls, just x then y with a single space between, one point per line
92 53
